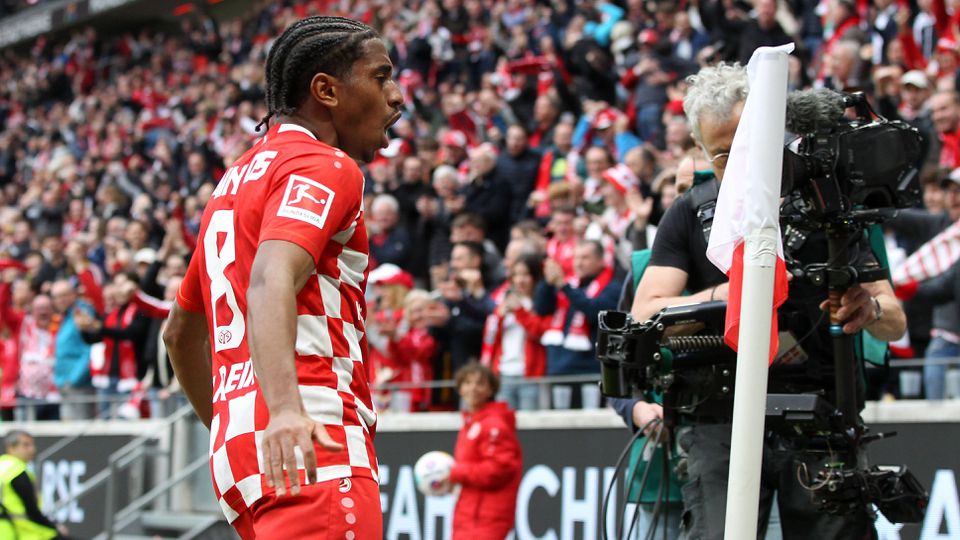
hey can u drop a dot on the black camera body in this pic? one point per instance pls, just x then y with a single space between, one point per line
858 167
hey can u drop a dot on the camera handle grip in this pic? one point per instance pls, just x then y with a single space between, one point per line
844 357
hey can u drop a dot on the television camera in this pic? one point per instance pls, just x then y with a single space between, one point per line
841 175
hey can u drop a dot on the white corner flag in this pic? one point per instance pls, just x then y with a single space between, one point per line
749 197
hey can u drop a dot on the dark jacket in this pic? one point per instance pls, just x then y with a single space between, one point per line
913 228
520 173
560 360
463 334
489 197
393 247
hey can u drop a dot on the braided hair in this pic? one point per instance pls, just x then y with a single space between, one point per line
310 46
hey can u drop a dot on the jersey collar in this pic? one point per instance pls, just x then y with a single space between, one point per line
296 127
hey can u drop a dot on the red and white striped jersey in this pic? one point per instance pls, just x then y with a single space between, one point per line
290 187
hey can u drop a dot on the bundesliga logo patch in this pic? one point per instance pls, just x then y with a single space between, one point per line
306 200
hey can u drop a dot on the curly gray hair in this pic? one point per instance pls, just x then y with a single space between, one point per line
715 90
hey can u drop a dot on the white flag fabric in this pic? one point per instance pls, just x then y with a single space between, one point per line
749 196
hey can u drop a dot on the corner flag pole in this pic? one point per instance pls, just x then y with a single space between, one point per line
764 113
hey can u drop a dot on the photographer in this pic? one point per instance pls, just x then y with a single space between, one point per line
714 103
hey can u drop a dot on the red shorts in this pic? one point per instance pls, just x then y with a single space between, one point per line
347 508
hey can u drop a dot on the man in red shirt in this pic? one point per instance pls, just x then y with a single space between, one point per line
272 303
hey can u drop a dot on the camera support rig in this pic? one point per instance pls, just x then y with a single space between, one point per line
680 354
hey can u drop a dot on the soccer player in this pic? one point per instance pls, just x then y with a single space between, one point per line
273 301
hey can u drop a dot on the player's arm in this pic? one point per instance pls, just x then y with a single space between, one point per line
280 269
187 339
188 345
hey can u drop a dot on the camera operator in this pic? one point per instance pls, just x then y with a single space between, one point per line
714 103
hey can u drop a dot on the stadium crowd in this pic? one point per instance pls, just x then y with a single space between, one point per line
541 144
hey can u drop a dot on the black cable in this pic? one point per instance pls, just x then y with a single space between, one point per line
633 477
646 474
616 474
666 476
613 479
807 335
655 515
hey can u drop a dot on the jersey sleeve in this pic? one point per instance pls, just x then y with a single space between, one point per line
189 296
312 200
670 244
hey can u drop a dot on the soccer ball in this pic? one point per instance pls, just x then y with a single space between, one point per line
430 470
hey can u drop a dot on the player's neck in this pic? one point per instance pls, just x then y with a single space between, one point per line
323 132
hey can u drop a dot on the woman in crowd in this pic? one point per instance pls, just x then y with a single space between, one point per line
511 341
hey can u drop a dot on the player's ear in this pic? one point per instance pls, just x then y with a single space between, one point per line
325 89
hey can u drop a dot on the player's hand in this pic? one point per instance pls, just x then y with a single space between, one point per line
622 124
83 320
286 431
856 309
128 288
685 173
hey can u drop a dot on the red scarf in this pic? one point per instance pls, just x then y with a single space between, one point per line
577 336
121 317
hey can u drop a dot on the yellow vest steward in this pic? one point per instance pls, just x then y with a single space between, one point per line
21 528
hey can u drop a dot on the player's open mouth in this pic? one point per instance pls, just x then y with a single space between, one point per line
393 120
